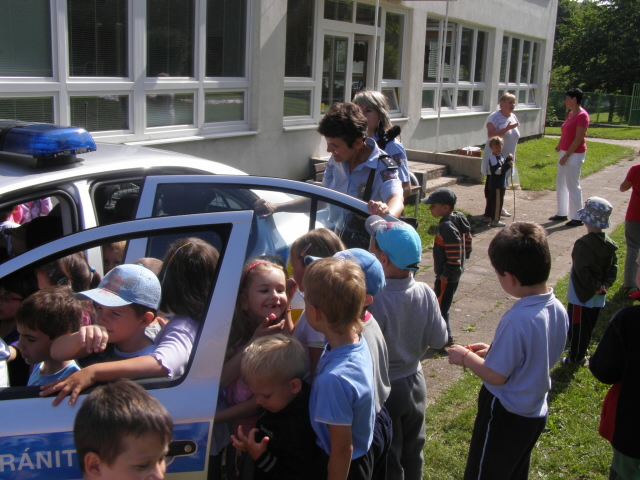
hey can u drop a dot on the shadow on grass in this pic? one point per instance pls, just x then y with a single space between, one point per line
538 166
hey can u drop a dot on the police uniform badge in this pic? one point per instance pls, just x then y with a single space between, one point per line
391 172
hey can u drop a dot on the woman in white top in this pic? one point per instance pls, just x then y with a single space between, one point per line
502 123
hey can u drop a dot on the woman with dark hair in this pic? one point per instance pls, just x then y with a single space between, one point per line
572 147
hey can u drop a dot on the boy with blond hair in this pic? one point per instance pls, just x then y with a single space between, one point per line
112 255
283 444
122 433
41 318
341 406
512 403
408 314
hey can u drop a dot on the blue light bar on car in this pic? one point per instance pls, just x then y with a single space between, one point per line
44 141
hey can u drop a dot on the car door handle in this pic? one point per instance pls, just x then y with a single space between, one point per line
182 448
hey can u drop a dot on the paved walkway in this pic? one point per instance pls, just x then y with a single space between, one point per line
480 302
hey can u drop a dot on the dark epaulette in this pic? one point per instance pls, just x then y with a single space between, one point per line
388 161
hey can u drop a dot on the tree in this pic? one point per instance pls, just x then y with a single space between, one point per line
597 45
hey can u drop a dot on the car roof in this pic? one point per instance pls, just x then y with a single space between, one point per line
18 172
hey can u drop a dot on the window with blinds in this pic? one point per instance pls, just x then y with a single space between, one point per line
100 113
299 46
98 43
27 109
25 36
170 37
226 38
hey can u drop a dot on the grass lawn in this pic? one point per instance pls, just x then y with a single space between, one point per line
537 161
426 224
569 447
614 133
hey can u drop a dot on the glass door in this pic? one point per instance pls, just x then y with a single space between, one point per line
346 67
360 64
334 70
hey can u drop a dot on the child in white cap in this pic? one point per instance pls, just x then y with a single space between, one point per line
595 267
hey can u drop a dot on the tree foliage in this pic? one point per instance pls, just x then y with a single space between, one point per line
597 46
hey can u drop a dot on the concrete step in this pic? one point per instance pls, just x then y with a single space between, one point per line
444 181
428 170
436 175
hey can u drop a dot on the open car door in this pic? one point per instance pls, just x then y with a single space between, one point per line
36 439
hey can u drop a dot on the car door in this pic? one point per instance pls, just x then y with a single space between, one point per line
36 439
185 194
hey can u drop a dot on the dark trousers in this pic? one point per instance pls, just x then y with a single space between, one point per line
487 212
373 464
582 321
382 438
495 201
406 404
445 293
501 442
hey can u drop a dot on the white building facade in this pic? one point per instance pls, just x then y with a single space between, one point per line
245 82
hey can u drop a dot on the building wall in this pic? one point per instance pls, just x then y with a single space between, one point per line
262 142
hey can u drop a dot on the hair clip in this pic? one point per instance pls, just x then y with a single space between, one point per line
304 250
261 262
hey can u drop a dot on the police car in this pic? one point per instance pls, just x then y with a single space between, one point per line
106 193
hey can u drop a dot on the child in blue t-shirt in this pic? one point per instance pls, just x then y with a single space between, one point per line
341 405
512 403
41 318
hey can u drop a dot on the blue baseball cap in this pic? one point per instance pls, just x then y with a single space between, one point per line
124 285
370 265
398 240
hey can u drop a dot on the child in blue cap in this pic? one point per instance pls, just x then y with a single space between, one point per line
126 302
410 319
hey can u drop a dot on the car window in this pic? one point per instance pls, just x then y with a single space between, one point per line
116 201
73 271
30 221
272 235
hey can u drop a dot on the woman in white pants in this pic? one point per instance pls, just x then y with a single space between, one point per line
572 147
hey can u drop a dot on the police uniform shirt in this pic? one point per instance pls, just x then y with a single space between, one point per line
385 183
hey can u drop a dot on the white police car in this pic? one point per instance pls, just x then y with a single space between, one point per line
148 198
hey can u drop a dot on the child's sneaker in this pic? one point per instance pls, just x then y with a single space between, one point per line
504 213
497 223
568 361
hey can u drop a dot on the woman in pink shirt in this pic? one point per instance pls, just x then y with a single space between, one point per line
572 148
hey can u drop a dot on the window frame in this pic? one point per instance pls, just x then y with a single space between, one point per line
351 30
397 85
529 88
452 87
61 86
